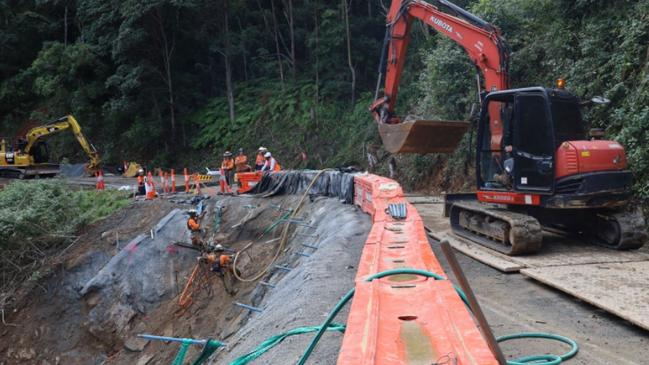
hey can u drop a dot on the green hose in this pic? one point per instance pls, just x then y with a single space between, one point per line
535 359
541 359
275 340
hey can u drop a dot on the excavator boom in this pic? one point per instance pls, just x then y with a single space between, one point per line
483 45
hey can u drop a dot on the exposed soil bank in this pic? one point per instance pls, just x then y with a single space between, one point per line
98 297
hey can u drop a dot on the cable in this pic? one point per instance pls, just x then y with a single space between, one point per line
282 242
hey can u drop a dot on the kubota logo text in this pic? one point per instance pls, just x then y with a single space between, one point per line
440 23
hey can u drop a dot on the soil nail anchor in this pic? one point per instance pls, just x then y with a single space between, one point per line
248 307
283 268
306 234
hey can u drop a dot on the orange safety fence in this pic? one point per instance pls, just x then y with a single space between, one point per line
404 319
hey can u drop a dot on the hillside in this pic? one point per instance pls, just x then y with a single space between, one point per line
162 82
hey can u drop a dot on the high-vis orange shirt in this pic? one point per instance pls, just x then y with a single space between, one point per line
241 160
260 161
193 225
227 164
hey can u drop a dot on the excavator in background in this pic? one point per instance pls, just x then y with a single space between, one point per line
29 156
536 168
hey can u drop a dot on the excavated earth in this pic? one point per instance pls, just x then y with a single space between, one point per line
124 275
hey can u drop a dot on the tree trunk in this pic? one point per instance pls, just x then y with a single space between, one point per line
65 26
276 33
228 66
244 52
167 50
292 35
317 65
349 50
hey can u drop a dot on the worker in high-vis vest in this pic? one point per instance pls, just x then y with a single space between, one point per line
271 164
194 227
241 162
260 160
141 189
227 167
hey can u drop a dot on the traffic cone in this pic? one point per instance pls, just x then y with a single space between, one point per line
173 181
165 186
186 180
162 179
100 180
223 183
149 187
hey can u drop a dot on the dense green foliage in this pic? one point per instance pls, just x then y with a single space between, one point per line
166 82
135 72
47 213
599 47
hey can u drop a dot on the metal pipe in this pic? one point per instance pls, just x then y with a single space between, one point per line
176 339
284 268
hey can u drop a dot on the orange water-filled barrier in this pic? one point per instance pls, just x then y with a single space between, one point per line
404 319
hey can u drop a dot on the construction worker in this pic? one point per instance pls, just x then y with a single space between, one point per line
194 227
141 190
227 167
260 160
222 264
271 164
241 162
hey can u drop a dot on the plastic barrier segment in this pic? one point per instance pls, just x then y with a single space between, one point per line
404 319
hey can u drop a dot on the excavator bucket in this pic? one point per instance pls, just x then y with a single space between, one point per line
133 168
422 136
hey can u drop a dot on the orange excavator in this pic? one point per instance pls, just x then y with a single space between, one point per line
536 167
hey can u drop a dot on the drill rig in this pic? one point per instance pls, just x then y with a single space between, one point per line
29 157
536 168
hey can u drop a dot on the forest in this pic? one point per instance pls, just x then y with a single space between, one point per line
173 83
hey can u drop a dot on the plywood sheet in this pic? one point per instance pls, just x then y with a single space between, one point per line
486 256
557 250
619 288
560 250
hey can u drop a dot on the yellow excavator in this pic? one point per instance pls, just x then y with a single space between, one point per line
29 156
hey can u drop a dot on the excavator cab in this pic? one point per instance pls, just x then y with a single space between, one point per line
520 155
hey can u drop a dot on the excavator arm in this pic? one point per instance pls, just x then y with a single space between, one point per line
61 124
483 45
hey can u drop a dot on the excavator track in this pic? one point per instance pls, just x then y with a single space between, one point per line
502 230
618 229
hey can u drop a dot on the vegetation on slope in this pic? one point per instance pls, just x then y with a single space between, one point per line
38 218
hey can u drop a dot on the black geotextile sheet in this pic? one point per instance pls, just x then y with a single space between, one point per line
330 183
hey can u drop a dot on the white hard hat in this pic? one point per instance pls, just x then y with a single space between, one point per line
267 154
262 149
